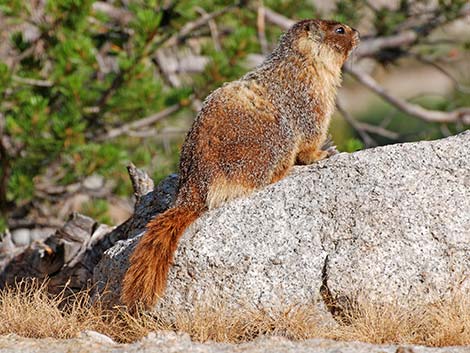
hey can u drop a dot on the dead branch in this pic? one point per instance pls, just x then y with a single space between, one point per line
378 130
371 46
158 135
31 223
368 141
213 28
278 19
180 61
32 81
189 27
432 116
141 182
138 124
261 24
119 15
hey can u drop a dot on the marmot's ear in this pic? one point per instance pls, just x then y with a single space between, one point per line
316 33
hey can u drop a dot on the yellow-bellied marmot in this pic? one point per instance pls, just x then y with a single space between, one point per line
248 134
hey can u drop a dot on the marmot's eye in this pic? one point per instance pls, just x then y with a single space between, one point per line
340 30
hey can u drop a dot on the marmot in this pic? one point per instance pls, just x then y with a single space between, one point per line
248 134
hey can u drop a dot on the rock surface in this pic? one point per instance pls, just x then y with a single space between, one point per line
391 222
166 342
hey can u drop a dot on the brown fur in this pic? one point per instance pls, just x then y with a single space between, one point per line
247 135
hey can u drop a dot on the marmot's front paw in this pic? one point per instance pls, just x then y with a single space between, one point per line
329 147
331 151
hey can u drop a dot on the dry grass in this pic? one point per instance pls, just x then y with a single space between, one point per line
27 310
440 324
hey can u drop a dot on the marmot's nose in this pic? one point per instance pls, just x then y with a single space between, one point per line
356 36
356 32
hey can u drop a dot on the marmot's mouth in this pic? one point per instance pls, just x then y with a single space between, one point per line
356 39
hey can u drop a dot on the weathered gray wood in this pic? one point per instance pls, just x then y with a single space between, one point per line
71 253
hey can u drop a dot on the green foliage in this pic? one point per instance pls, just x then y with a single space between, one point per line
452 8
387 20
349 11
227 64
3 226
52 122
353 145
293 9
98 210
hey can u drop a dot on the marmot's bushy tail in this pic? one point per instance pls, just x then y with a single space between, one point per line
145 280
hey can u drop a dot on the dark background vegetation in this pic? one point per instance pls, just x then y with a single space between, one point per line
89 86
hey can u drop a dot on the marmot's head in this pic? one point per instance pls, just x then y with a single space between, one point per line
321 39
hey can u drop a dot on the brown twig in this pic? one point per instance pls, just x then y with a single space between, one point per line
261 24
213 28
378 130
189 27
368 141
138 124
32 81
157 134
117 14
371 46
34 223
433 116
278 19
